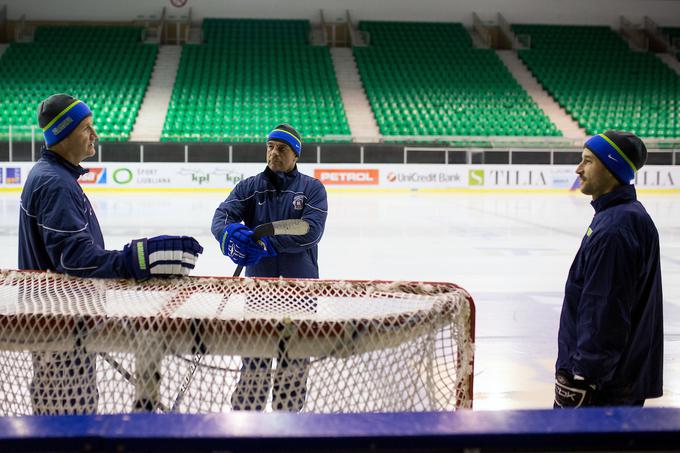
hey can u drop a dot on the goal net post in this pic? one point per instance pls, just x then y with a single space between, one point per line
198 345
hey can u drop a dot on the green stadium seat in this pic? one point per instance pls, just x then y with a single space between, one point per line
593 74
249 76
114 92
426 79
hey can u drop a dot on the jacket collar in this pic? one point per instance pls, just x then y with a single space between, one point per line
75 170
621 194
279 179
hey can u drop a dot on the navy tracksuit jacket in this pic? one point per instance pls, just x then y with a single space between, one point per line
58 229
267 197
611 327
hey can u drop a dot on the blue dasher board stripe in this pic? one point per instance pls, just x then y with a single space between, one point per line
610 429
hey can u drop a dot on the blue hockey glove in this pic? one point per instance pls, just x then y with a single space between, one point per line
264 248
162 256
238 245
258 249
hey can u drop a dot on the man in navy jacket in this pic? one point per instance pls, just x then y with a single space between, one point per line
280 192
610 339
59 232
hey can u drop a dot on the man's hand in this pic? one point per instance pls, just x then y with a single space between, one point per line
162 256
572 391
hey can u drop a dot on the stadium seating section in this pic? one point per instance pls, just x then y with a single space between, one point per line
250 75
427 79
107 67
601 82
423 80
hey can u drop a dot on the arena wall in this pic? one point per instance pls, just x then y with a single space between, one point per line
586 12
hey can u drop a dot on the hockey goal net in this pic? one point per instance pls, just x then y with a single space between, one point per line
72 346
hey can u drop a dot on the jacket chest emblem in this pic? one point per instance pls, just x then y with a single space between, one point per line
298 202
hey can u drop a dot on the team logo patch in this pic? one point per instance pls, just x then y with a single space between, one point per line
298 202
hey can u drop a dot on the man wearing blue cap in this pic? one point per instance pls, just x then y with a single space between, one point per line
610 341
280 192
59 231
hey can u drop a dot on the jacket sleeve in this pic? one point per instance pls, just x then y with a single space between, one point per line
605 308
63 222
314 212
230 211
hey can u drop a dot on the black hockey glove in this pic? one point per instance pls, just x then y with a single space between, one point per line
572 391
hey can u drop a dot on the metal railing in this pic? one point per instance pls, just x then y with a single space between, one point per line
23 30
635 34
317 33
13 134
506 29
19 139
358 38
651 26
479 27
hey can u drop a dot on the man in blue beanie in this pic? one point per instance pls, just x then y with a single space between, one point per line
59 232
280 192
610 340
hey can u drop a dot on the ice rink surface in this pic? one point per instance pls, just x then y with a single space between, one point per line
511 251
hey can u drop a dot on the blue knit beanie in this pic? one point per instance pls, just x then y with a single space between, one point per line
623 153
59 115
285 133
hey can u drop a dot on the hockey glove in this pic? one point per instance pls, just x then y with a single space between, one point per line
572 391
238 245
263 248
162 256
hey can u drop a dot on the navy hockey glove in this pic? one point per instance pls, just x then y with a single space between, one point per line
238 245
162 256
572 391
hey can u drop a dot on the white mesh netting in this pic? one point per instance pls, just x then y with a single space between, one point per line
72 345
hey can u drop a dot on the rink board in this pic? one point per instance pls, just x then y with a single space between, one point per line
611 429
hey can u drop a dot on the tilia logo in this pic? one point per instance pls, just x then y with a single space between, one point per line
516 178
655 178
63 125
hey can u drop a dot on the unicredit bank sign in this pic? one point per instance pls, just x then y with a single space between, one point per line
348 177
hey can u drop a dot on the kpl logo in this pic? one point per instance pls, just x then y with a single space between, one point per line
348 177
94 176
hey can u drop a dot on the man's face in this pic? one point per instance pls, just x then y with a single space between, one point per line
80 143
595 178
280 157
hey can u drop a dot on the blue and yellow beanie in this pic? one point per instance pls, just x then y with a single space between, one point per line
58 115
622 153
285 133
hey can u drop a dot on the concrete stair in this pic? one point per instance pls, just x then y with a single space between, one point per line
362 124
154 109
